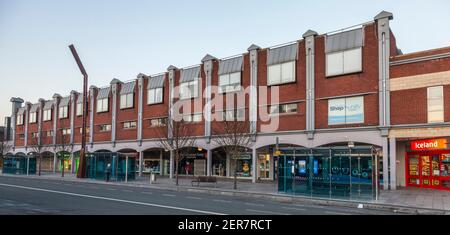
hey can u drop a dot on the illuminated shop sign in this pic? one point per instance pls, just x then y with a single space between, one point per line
429 144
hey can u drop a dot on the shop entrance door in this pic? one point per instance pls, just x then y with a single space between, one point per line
424 170
264 166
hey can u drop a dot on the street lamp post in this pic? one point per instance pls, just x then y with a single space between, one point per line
82 165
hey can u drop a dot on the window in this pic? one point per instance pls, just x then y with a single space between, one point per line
126 101
155 96
34 135
189 89
157 122
230 82
435 103
79 109
47 115
233 115
343 62
33 117
283 108
20 119
102 105
346 110
193 117
81 130
63 112
281 73
129 125
66 131
21 136
49 133
105 127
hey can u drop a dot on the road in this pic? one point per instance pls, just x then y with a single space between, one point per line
21 195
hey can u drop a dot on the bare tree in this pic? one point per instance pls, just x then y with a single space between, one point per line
62 147
38 147
179 141
5 147
234 138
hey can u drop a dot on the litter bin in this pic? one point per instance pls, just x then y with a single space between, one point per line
152 177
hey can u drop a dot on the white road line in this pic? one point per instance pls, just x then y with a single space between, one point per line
253 204
266 212
291 208
335 213
149 193
169 195
113 199
224 201
196 198
126 190
111 189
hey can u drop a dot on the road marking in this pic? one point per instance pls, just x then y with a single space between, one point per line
266 212
335 213
253 204
149 193
291 208
126 190
113 199
219 200
111 189
169 195
196 198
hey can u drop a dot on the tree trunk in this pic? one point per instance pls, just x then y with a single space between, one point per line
40 163
62 170
176 168
235 174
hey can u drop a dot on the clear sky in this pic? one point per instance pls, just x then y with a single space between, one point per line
119 39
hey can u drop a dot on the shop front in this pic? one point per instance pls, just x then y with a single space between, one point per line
156 161
428 164
192 162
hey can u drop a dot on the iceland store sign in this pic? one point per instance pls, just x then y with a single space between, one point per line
346 110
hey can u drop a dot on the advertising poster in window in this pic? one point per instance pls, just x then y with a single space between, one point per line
336 111
346 111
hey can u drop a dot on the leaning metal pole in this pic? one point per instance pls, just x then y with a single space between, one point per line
82 164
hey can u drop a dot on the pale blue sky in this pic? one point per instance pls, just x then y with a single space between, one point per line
119 39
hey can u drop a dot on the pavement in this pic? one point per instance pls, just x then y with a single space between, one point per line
411 201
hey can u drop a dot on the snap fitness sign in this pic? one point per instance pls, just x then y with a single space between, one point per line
429 144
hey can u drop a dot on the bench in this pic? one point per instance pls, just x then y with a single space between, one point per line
204 179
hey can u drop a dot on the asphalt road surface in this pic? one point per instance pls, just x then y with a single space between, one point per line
21 195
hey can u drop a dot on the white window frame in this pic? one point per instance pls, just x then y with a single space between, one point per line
20 119
343 63
47 115
49 133
189 90
32 118
79 108
196 117
282 109
435 112
108 127
127 101
102 105
226 84
155 95
282 77
233 114
66 131
345 110
158 122
34 135
87 130
129 125
63 112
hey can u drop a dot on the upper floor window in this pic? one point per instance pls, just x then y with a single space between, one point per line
126 101
155 95
63 112
189 89
102 105
33 117
66 131
233 115
87 130
346 110
230 82
34 135
49 133
21 136
344 52
47 115
20 119
283 108
157 122
193 117
129 125
105 127
435 103
281 64
79 109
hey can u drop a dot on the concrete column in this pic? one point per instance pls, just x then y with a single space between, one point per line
27 121
114 88
40 117
385 163
254 159
253 108
171 164
141 101
92 91
141 161
56 99
228 166
393 163
161 161
309 38
73 103
208 69
55 162
209 162
171 69
16 104
72 162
